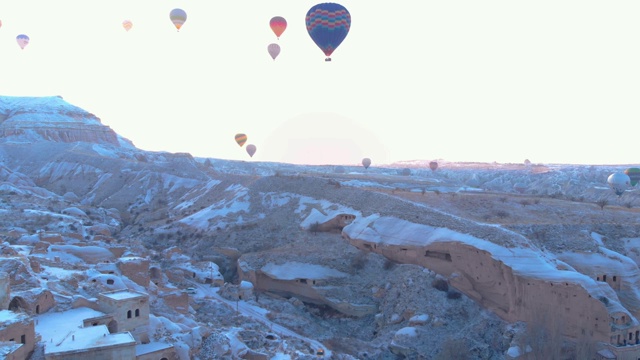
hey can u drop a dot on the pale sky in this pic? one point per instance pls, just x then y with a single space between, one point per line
552 81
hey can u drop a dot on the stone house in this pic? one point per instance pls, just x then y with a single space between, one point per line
34 301
129 309
17 329
176 299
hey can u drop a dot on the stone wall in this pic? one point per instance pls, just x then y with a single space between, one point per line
177 300
137 270
5 291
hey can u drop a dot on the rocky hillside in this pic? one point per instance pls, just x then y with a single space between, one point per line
66 176
32 119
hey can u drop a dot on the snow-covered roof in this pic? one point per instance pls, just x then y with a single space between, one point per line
123 294
296 270
89 338
246 284
8 347
53 326
8 317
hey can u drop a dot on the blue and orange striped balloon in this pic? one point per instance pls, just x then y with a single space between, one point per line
328 25
178 17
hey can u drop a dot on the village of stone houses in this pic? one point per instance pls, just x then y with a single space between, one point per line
108 251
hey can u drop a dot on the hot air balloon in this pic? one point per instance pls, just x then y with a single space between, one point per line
251 149
433 165
366 162
274 50
618 182
278 25
241 139
634 175
127 25
178 17
328 25
23 40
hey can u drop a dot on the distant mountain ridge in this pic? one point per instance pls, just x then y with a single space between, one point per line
51 118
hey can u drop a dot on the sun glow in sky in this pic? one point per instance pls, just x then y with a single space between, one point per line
550 81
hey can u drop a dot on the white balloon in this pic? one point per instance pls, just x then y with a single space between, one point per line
619 182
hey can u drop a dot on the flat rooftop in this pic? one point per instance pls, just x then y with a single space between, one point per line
8 348
123 294
90 338
54 326
8 317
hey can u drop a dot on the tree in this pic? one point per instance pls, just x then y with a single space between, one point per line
314 228
602 203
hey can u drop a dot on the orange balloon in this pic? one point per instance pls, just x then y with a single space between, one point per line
278 25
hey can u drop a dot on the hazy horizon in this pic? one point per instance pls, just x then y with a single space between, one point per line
495 81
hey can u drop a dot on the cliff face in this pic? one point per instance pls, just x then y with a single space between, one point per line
29 119
575 303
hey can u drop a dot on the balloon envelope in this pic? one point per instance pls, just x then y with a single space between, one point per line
278 25
328 25
366 162
433 165
618 182
634 175
127 25
274 50
23 40
251 149
178 17
241 139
